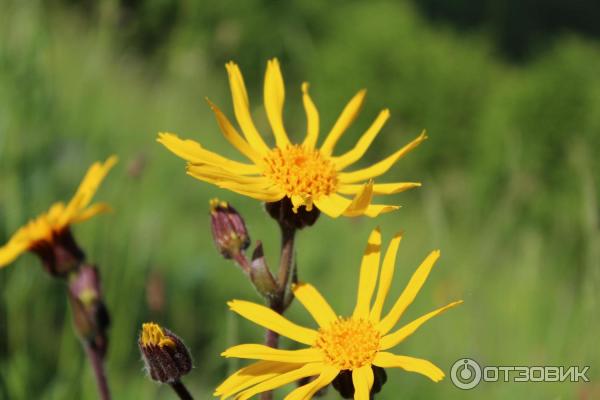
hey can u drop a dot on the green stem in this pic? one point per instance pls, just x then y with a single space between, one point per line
181 390
278 304
98 367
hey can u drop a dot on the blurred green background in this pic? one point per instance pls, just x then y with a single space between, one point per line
508 91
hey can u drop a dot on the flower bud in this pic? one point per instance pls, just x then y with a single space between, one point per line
228 229
167 359
260 275
90 315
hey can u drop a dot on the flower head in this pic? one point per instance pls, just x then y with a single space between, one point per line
301 172
49 235
342 346
167 359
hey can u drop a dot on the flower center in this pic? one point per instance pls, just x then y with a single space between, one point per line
153 335
349 343
302 172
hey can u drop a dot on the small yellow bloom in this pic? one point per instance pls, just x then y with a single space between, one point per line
355 344
153 335
43 230
302 172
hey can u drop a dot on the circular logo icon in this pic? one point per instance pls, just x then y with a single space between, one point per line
465 373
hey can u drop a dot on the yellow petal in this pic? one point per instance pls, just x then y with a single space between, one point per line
282 379
269 319
241 107
87 188
363 143
409 293
263 194
386 276
297 201
361 201
393 339
55 212
382 166
251 375
262 352
343 122
232 135
312 119
274 97
362 378
379 188
191 151
10 251
307 391
333 205
260 191
411 364
219 174
314 303
91 211
374 210
368 274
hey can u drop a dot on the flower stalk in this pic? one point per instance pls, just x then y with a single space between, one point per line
181 390
96 361
90 320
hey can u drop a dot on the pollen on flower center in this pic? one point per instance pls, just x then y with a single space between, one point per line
349 343
153 335
300 171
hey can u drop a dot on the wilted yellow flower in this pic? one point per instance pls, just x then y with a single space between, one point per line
43 231
341 344
302 172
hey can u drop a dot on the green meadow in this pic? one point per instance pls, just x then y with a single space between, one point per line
510 186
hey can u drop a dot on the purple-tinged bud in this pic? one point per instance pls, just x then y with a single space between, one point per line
90 315
228 229
167 359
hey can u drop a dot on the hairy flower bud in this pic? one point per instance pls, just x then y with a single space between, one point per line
228 229
167 359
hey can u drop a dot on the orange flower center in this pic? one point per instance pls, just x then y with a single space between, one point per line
349 343
301 172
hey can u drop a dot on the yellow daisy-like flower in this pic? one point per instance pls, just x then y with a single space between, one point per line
44 229
354 344
302 172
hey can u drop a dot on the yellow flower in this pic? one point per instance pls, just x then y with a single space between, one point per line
44 229
154 336
354 344
302 172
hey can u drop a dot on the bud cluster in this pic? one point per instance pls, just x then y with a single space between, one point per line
232 239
